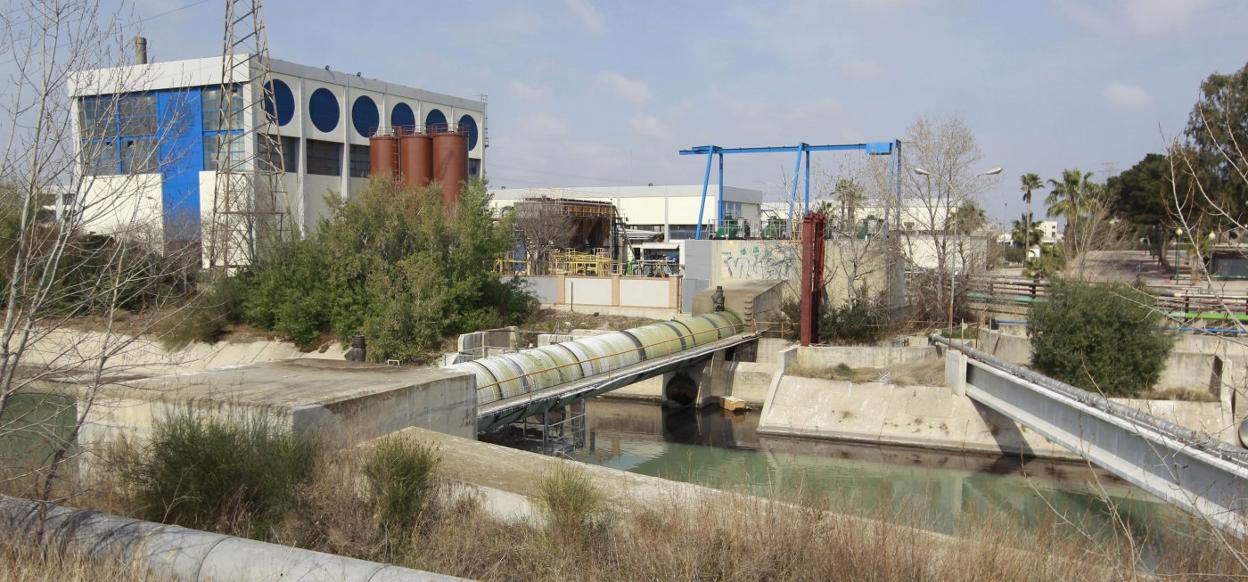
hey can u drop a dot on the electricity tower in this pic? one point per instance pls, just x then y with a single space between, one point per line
249 203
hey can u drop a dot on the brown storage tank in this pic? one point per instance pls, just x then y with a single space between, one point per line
416 159
383 156
450 165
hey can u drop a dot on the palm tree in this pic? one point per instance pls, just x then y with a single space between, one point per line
1068 199
1067 194
1024 225
1030 181
968 217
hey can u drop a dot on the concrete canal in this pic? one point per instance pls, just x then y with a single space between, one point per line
932 489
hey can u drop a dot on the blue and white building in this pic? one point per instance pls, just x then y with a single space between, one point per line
149 135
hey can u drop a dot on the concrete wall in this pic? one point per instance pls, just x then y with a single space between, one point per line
820 361
645 295
780 260
336 400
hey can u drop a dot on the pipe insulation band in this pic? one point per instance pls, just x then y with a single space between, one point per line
168 552
1196 439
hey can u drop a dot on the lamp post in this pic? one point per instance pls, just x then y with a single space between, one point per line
948 216
1178 232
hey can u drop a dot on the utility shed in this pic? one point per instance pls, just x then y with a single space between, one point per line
755 301
333 399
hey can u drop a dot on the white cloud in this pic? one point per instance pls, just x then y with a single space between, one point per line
650 126
542 125
588 17
633 91
528 92
1127 96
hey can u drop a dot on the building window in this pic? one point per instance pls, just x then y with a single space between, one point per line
323 109
402 117
138 156
217 106
435 122
364 116
685 231
324 158
99 157
359 161
474 167
213 150
279 102
469 125
289 161
118 134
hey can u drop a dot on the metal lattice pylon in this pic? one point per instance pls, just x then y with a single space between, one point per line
249 203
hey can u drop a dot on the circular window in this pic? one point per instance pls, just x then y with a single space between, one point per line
323 109
364 116
469 125
435 121
279 93
402 117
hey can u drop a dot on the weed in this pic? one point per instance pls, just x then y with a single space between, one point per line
402 478
571 503
209 472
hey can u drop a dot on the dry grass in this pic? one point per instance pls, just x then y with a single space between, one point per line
721 537
18 562
1185 394
552 321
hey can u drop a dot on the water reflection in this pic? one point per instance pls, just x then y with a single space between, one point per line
935 489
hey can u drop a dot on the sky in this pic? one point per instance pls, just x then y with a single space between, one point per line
591 92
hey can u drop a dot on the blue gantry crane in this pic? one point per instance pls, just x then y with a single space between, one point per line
876 148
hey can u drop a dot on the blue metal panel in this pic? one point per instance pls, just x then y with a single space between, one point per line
706 182
323 109
181 155
719 218
403 117
364 116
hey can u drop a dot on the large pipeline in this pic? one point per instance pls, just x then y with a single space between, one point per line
168 552
516 374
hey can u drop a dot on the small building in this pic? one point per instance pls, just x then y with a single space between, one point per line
670 211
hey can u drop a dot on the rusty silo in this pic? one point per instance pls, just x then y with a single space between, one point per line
416 159
450 165
383 155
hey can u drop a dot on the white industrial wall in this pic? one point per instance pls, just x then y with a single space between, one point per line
125 203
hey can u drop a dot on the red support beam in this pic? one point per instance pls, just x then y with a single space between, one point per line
813 225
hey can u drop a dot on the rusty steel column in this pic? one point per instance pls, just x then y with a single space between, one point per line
812 276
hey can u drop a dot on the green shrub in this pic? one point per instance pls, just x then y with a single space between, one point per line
392 265
211 473
571 504
402 478
1100 337
862 321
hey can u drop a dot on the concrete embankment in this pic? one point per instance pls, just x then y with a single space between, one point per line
807 399
76 349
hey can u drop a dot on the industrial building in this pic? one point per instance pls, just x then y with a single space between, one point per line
165 124
669 212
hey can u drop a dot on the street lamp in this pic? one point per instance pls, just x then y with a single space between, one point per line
1178 232
948 215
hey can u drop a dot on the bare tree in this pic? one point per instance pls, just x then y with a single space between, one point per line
542 227
940 163
65 175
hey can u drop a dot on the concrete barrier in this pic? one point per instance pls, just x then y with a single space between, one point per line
821 361
167 552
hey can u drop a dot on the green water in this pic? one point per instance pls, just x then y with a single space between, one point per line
936 490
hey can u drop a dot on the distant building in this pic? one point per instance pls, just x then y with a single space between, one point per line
158 128
672 211
1049 234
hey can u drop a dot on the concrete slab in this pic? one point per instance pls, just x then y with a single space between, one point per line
345 400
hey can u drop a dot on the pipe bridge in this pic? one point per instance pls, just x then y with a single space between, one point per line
516 385
1193 470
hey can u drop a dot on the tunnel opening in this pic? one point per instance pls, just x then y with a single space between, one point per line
681 390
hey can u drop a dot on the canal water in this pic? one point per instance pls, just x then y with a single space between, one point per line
930 489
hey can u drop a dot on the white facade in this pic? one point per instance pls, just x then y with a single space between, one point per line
334 130
671 210
1048 232
916 214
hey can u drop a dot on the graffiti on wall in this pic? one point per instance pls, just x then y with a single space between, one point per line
759 260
